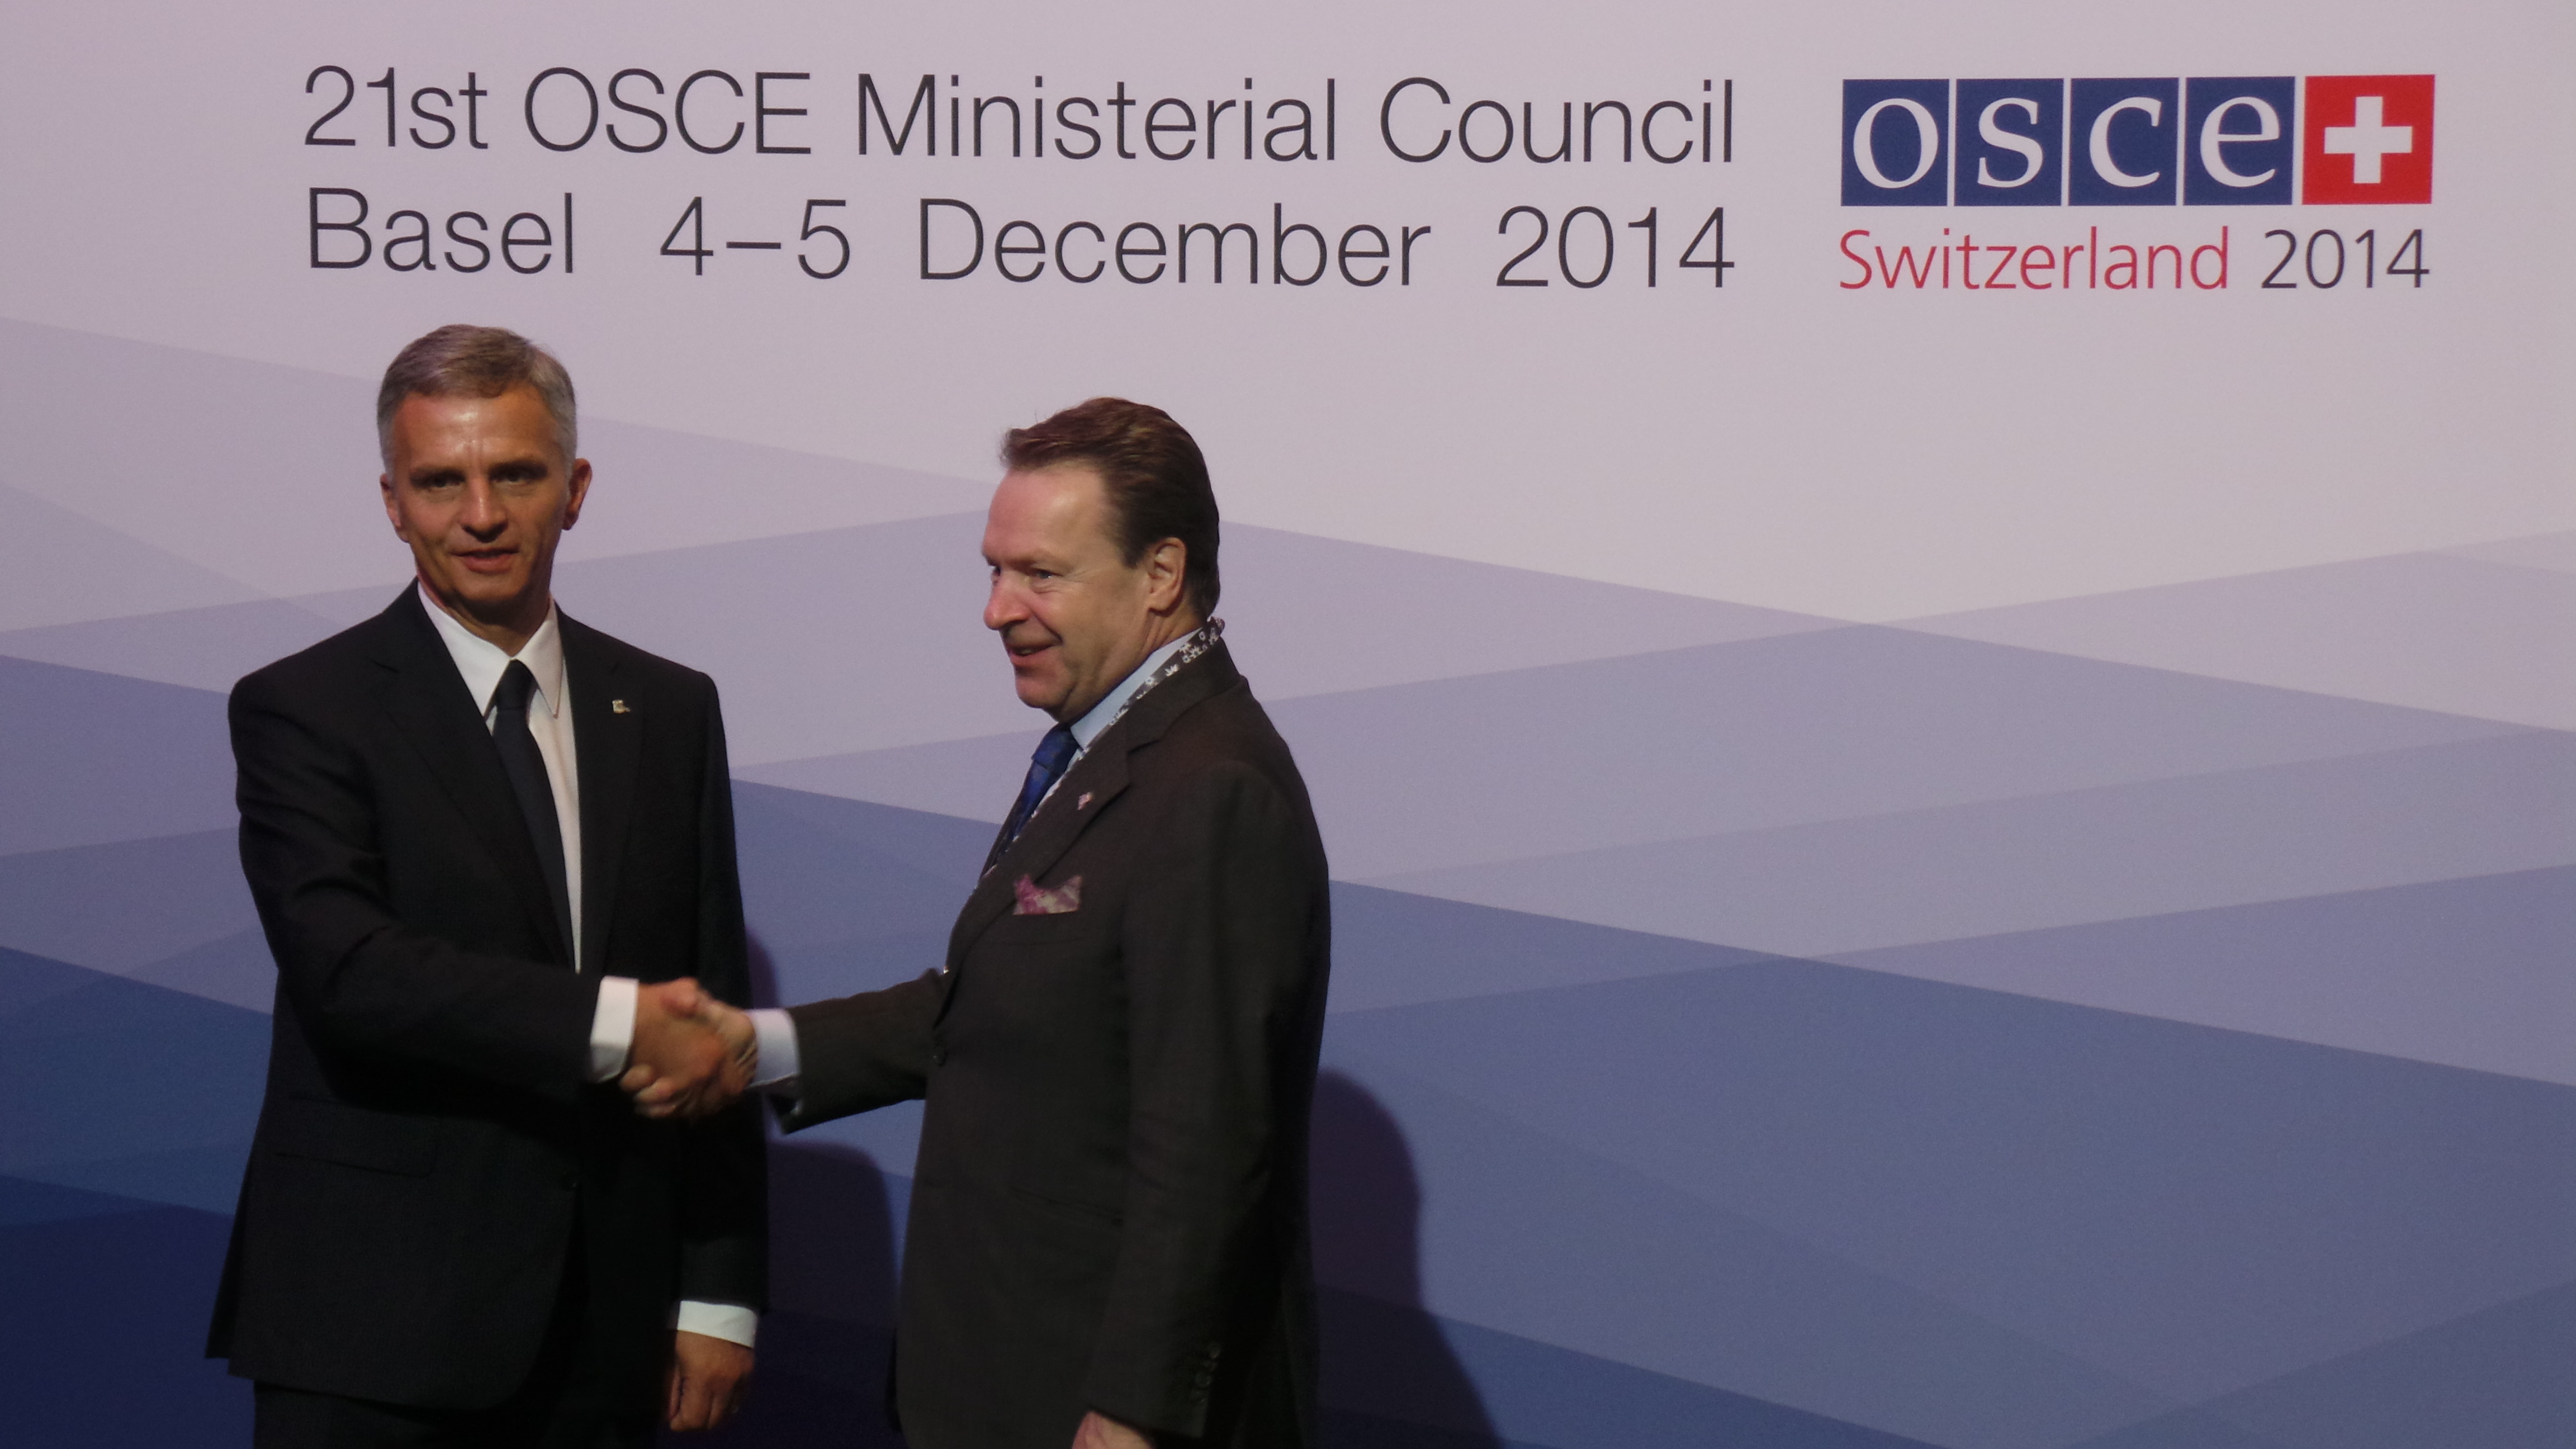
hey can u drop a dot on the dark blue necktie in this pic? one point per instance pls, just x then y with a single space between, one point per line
527 771
1053 753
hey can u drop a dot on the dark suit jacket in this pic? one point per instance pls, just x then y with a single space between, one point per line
429 1156
1110 1207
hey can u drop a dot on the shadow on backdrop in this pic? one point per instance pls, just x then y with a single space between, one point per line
825 1342
1390 1379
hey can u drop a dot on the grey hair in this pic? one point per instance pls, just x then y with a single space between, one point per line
459 360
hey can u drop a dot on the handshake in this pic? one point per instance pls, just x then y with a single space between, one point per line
693 1055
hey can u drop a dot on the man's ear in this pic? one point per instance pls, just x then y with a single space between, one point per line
1166 575
578 488
393 514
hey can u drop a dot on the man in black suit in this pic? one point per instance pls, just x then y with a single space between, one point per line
492 851
1107 1244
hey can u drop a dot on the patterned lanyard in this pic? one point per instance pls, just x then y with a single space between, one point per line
1199 641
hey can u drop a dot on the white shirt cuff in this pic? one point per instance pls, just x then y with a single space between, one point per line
729 1321
612 1028
778 1069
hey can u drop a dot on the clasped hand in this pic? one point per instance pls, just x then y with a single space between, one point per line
692 1054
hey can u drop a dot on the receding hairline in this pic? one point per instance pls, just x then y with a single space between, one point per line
546 434
462 360
1090 466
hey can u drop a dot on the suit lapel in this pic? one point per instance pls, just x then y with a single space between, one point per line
608 744
1103 774
431 710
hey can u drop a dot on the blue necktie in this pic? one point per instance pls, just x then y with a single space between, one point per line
1053 753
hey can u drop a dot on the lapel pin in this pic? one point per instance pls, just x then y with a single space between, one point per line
618 706
1085 800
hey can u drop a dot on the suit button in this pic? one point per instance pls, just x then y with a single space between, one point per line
939 1056
571 1181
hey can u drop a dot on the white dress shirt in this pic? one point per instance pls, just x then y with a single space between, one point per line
780 1062
612 1023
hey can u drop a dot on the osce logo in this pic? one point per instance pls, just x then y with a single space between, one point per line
2205 141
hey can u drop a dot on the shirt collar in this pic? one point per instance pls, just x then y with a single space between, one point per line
1088 728
481 661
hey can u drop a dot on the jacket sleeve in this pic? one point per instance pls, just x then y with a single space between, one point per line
724 1169
358 979
859 1053
1219 983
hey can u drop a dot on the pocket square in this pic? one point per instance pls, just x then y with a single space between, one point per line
1036 900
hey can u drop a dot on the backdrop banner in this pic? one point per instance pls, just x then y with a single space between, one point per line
1933 643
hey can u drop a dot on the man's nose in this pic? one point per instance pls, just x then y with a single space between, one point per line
482 514
1004 607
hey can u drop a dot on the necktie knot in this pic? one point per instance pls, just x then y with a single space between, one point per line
1053 752
518 685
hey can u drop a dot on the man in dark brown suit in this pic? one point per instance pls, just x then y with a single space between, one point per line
1107 1243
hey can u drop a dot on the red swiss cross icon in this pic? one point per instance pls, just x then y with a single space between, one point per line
2368 138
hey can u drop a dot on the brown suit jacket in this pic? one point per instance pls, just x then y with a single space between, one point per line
1110 1207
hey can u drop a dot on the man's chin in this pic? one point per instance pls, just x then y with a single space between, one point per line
1039 692
482 595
